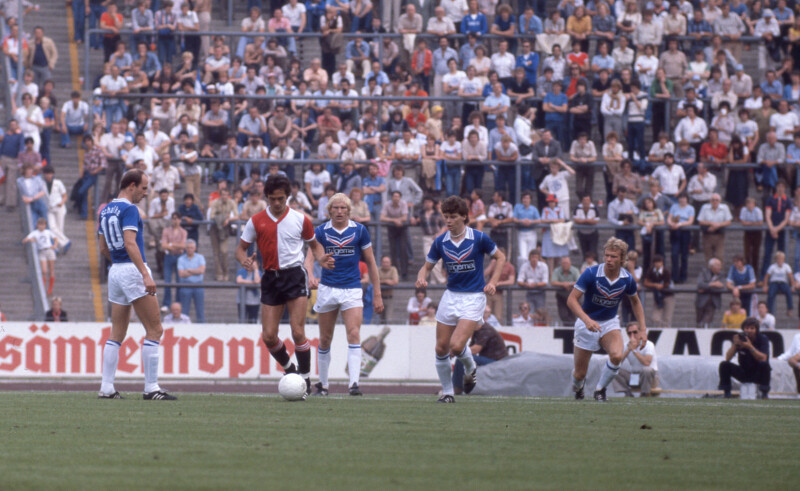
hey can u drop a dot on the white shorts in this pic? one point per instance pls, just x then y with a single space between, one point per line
455 306
330 299
125 283
589 340
47 255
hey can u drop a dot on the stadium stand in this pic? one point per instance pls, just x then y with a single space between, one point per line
80 296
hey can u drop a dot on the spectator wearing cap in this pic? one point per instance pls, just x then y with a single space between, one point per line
741 82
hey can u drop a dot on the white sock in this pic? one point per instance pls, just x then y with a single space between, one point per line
150 364
466 359
323 363
354 362
110 359
577 384
445 374
608 373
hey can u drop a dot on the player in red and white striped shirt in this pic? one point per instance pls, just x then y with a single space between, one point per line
280 232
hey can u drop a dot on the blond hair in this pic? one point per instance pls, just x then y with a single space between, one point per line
339 197
618 245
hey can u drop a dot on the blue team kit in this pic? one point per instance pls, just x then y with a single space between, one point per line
346 247
116 217
601 297
464 262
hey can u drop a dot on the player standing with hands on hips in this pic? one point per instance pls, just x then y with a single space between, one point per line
339 289
130 282
602 287
280 232
461 308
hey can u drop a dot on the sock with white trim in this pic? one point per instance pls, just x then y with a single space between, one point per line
279 353
465 357
303 354
150 364
608 373
577 384
323 363
110 359
354 362
445 373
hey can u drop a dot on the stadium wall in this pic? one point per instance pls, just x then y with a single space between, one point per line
234 351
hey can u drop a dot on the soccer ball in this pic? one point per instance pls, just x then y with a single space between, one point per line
292 387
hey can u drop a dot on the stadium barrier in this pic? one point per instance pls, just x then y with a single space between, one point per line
393 353
508 300
40 302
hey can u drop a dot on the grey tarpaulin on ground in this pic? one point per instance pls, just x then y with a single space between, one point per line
537 374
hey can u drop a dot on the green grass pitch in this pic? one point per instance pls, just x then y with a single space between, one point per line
53 440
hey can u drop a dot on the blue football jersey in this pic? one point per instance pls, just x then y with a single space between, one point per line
346 247
464 262
116 217
601 297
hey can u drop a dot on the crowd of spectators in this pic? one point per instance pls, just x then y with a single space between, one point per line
567 93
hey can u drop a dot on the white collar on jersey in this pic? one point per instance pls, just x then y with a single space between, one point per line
124 200
601 273
350 223
468 234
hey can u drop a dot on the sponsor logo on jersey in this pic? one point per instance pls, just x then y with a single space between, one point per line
464 267
340 245
605 302
608 296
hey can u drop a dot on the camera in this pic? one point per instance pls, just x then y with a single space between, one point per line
742 336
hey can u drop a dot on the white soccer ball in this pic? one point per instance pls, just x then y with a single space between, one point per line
292 387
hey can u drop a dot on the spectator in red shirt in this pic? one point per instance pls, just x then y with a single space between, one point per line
414 90
415 117
713 152
421 63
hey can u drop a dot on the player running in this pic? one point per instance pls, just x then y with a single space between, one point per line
280 232
461 308
130 282
598 326
340 288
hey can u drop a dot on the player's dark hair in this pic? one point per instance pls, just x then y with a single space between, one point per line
455 205
131 177
188 195
276 183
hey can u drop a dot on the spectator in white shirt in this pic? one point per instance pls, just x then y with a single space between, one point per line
691 128
534 276
671 177
766 319
779 279
784 123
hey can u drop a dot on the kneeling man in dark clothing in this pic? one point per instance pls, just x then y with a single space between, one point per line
752 349
487 346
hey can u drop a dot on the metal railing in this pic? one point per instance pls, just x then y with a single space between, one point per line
40 302
409 287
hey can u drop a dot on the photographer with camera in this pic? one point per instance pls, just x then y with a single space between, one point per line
752 348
